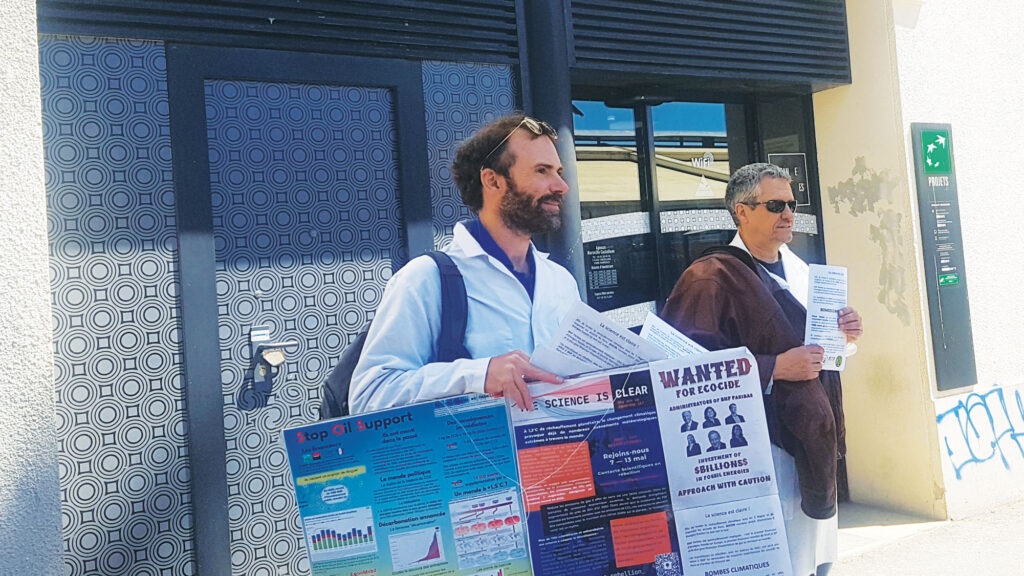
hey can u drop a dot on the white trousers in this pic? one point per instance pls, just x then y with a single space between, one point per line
811 542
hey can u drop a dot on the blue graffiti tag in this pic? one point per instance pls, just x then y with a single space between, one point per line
983 422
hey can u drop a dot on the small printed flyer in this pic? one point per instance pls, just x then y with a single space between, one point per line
593 475
724 493
423 490
826 296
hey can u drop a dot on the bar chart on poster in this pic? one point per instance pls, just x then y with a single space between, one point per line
341 534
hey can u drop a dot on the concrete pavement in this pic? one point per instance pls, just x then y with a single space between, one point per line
875 542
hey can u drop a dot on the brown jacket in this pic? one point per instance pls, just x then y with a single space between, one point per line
724 300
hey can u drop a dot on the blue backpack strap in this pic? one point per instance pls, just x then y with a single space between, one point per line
454 309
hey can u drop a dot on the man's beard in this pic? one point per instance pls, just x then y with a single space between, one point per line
526 215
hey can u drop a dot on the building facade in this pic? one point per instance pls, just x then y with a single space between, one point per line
197 177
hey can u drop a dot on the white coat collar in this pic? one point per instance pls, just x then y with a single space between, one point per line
796 270
470 247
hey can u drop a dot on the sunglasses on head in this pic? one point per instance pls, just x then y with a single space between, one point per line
775 206
538 127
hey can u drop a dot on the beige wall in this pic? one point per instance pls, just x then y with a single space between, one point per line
29 488
959 64
870 226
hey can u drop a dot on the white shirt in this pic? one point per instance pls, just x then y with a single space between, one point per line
797 272
395 367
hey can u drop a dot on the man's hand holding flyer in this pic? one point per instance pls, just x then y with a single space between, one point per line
826 296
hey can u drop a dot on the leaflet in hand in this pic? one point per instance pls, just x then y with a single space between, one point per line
672 341
826 296
586 341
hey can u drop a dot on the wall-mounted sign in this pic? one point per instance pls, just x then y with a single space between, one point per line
796 163
952 338
620 271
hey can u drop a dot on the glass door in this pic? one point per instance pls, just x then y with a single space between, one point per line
652 178
619 251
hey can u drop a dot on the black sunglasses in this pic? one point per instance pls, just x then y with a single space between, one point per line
538 127
774 206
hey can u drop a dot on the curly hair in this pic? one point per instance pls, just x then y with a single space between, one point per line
479 152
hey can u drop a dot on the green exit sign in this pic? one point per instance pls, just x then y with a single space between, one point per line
949 279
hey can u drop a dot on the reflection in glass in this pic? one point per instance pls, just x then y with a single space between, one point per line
784 130
606 160
691 151
619 253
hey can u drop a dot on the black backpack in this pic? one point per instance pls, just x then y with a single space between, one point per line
454 311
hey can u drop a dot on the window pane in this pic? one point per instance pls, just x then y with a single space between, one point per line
618 247
691 151
606 162
784 132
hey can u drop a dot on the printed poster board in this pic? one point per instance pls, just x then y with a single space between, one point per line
660 470
428 489
657 470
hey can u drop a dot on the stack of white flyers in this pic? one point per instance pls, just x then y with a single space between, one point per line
673 342
586 342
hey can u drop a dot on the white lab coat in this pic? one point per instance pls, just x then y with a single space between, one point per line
395 367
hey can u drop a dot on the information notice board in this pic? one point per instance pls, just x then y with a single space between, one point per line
941 241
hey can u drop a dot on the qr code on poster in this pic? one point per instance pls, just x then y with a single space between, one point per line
668 565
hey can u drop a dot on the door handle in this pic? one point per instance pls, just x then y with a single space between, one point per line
273 353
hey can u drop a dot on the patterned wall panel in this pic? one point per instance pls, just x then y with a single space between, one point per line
615 226
459 99
702 219
118 365
719 219
631 316
306 222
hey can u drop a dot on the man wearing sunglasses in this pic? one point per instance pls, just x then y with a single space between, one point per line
753 293
510 176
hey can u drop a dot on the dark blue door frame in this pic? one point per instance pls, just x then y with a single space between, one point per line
187 69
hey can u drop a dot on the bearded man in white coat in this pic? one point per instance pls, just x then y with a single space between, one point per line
510 175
